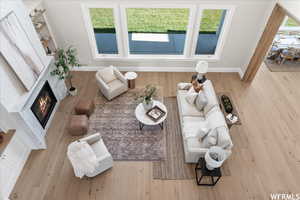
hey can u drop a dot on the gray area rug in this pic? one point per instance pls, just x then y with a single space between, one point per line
287 66
173 167
115 121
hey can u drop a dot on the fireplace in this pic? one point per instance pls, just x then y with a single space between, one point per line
44 104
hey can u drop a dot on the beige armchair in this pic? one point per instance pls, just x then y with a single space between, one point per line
105 160
111 82
89 156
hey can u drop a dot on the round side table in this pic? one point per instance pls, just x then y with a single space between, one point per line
144 120
131 76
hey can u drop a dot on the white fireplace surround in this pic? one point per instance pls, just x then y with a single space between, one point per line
23 115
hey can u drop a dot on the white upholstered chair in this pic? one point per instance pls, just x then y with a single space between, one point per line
104 158
111 82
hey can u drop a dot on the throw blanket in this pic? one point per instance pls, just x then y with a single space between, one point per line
82 157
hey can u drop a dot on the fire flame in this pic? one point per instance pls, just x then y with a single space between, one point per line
44 104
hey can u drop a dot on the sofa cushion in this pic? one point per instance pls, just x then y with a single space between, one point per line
191 125
224 140
99 148
187 109
215 119
115 85
107 74
201 101
194 143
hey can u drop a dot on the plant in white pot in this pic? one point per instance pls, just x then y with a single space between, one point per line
146 97
65 61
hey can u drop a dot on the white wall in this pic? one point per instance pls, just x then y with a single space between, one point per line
250 16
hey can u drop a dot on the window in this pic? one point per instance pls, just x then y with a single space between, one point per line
162 31
104 30
157 30
289 24
211 24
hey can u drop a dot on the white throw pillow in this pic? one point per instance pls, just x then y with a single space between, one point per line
210 139
202 133
107 74
191 96
184 86
201 101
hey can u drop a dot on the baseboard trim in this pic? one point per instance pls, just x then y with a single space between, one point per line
160 69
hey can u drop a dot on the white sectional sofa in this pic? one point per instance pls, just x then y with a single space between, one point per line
192 120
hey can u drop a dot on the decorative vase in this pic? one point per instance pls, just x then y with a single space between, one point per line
227 104
149 105
73 91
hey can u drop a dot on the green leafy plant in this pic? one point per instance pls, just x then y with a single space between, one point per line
148 93
66 60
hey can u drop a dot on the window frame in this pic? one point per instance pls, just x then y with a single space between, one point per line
223 34
120 19
90 30
287 28
126 35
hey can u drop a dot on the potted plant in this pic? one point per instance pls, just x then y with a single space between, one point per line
66 60
146 96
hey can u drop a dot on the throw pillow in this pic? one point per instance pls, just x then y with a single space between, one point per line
107 74
201 101
224 140
197 86
191 96
202 133
184 86
210 139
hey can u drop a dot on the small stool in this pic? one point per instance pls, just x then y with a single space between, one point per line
85 107
201 168
78 125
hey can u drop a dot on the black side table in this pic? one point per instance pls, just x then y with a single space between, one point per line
202 171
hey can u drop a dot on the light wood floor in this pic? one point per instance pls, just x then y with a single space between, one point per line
265 159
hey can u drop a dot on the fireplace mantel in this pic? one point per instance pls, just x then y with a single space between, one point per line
23 116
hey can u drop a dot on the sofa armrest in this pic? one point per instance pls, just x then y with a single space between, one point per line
184 86
197 150
120 76
104 157
101 82
92 138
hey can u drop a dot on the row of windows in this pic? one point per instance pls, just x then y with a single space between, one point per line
129 31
